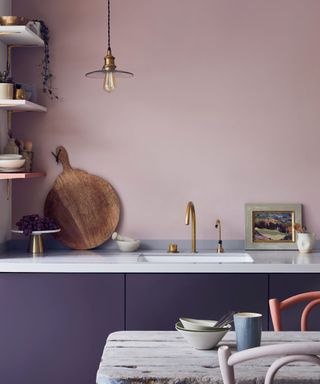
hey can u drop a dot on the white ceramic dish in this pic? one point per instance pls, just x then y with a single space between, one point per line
128 246
10 157
202 339
10 170
12 163
197 325
38 232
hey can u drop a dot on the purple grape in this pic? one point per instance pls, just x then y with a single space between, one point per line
30 223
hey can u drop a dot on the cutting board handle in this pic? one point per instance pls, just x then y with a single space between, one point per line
63 158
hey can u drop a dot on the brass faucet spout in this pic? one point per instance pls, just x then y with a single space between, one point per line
190 210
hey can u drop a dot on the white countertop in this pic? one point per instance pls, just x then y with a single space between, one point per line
98 261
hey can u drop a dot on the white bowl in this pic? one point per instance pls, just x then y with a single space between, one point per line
197 325
200 325
128 246
8 156
12 164
203 339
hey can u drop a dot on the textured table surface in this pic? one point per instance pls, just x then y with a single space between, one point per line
165 357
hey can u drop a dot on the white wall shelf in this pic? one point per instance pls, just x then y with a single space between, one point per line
20 175
21 106
20 35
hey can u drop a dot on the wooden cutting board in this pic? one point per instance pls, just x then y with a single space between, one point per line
86 207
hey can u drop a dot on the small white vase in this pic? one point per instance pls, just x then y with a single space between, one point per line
305 242
6 91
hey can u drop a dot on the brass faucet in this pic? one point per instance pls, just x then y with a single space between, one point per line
190 208
219 246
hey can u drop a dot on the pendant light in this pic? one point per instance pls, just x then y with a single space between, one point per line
109 73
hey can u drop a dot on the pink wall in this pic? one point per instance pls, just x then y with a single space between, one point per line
223 109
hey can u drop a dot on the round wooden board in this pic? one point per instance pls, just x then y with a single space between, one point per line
84 206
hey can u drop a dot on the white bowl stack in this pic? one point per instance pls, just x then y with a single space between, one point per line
201 334
11 163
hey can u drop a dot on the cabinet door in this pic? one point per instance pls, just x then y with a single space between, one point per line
156 301
286 285
53 327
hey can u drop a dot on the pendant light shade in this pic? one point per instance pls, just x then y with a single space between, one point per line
108 72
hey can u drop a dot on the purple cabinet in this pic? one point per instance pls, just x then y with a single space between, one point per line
156 301
53 327
289 284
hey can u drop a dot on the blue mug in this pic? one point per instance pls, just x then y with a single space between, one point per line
248 327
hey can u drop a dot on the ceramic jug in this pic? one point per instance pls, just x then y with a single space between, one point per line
11 147
305 241
6 91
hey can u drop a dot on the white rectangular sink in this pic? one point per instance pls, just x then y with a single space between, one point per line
196 258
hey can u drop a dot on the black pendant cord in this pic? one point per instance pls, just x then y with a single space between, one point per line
109 34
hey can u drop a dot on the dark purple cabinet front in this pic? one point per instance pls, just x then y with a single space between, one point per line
53 327
156 301
289 284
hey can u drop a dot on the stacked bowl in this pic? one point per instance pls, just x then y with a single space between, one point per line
201 334
11 163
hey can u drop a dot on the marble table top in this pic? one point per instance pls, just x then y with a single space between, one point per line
157 357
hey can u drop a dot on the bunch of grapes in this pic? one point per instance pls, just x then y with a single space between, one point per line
31 223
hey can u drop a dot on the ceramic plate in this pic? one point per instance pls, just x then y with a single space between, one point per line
10 157
12 163
38 232
8 170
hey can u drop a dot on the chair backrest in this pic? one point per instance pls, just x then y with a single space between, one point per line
276 307
291 352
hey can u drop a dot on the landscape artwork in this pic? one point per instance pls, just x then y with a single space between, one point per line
273 226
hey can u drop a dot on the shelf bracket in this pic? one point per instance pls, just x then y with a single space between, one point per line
9 59
9 122
9 55
9 188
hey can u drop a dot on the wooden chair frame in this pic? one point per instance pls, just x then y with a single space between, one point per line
292 352
276 307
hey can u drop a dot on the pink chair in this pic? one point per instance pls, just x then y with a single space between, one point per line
301 351
276 307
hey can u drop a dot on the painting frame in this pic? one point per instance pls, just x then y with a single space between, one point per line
259 218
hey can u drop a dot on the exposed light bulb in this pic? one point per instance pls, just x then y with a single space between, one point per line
108 72
109 83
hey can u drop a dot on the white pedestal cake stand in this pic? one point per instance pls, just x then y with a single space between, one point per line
35 241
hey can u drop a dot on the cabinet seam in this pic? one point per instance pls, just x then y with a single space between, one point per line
125 302
268 311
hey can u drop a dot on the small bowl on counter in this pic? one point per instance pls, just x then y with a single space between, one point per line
126 244
202 339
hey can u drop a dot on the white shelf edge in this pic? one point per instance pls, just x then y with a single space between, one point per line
21 105
20 35
20 175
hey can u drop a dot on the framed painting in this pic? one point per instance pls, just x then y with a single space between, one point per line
271 226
